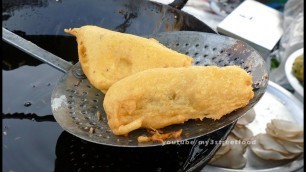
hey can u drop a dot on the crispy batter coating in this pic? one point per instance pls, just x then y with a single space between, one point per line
160 137
156 98
107 56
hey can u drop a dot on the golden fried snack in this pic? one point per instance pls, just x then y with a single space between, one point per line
156 98
158 136
107 56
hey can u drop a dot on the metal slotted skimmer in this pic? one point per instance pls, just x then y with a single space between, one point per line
77 105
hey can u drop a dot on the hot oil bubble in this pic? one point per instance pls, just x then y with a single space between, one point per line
27 104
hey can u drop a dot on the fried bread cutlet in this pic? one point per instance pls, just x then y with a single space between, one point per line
107 56
156 98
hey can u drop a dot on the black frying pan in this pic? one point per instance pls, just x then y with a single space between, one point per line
39 21
138 17
75 154
43 22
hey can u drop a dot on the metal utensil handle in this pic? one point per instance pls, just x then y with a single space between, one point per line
35 51
178 4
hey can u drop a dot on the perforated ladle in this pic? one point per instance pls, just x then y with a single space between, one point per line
77 105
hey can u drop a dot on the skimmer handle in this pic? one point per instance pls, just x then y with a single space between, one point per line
35 51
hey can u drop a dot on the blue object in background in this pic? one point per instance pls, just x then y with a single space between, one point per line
276 4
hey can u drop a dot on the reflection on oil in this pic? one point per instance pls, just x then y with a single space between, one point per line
9 6
62 46
75 154
32 117
27 136
28 89
29 145
128 21
52 17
